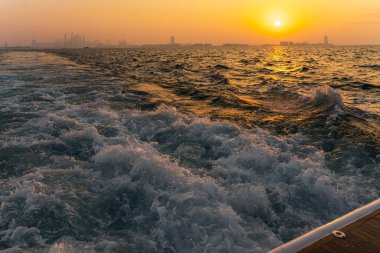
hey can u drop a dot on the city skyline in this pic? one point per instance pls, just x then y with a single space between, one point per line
216 22
76 40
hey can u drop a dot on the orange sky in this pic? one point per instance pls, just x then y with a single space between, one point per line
213 21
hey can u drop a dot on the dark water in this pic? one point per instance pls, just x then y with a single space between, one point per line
184 150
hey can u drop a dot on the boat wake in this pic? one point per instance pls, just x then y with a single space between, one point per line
81 171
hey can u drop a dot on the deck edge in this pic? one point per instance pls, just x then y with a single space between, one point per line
323 231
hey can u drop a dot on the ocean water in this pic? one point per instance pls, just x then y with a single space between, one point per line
184 150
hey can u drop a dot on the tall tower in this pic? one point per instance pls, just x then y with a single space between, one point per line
326 40
172 40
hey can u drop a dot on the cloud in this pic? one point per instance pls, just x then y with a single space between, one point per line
367 17
366 23
373 14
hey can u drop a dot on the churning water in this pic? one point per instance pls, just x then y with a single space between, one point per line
147 150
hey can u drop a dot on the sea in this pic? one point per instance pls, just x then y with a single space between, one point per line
184 150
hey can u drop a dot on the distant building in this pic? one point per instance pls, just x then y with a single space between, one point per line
122 44
235 45
67 41
198 45
326 40
284 43
172 40
75 41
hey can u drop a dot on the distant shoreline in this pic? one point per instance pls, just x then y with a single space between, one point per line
182 47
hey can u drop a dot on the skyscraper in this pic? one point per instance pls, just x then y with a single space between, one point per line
326 40
172 40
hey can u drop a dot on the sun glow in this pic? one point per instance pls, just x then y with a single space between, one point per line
278 21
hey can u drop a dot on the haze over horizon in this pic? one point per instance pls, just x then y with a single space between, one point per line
217 22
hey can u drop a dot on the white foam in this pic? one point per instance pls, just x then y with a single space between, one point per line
164 181
327 96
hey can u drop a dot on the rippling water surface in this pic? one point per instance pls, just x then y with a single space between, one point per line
176 150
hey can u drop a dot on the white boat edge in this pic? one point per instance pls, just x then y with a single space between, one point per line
321 232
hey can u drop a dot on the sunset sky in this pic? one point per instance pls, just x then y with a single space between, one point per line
213 21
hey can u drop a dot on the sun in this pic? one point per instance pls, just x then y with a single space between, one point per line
277 23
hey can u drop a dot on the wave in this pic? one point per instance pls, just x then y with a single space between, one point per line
326 97
373 67
220 66
219 77
83 174
170 181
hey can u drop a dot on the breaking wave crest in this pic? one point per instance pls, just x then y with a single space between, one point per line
326 97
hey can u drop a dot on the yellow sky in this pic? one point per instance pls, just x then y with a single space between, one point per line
214 21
